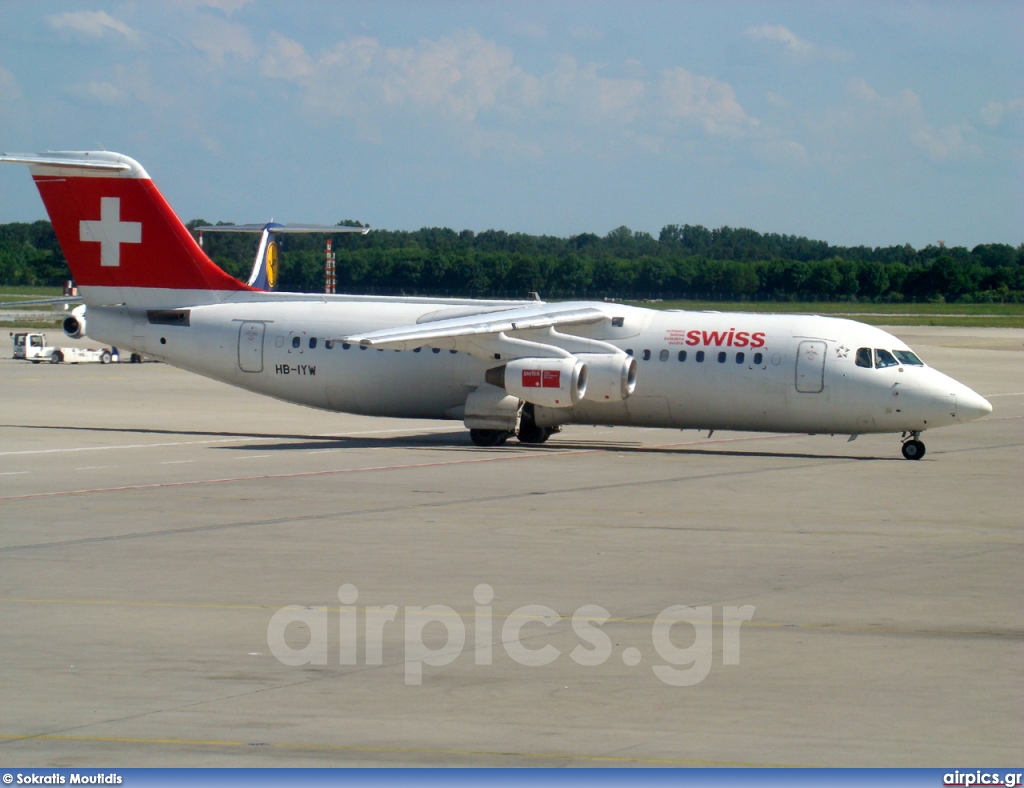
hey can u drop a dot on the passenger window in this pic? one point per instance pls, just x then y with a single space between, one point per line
906 357
435 350
700 356
345 345
296 341
417 350
864 357
329 344
312 342
453 352
883 358
663 355
618 321
758 358
739 358
647 355
721 357
682 355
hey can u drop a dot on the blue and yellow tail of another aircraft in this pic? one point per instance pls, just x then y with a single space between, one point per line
265 271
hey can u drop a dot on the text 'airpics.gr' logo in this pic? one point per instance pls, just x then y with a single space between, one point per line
681 637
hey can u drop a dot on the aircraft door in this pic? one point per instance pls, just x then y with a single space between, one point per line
250 346
810 367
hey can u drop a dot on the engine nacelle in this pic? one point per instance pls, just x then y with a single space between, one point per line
74 324
550 382
610 378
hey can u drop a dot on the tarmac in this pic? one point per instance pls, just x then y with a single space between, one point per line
171 548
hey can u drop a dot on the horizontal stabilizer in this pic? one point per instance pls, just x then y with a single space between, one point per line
66 160
44 302
281 228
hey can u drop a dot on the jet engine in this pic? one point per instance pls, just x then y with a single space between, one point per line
610 378
549 382
74 324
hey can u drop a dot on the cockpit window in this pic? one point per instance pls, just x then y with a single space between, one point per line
908 358
883 358
864 357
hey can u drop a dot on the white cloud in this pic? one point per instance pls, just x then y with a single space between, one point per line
9 90
529 30
781 34
99 93
794 46
783 152
902 114
476 88
127 84
286 59
217 39
458 76
226 6
703 100
1005 116
591 34
90 24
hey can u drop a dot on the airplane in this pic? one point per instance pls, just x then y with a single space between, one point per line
504 368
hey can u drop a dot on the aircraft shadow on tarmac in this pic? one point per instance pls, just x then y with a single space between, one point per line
456 440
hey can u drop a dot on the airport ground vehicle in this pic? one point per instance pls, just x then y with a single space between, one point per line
31 346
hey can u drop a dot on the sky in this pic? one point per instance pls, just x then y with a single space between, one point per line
857 123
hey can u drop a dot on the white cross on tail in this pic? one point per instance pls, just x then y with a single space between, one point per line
110 232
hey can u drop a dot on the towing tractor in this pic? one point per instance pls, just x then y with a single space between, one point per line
32 347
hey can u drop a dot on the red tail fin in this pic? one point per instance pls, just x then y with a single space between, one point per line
116 229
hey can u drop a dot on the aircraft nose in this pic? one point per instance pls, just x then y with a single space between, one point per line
970 405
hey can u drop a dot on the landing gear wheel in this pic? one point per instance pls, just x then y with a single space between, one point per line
531 433
488 438
528 431
913 449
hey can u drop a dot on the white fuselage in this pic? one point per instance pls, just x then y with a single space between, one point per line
703 370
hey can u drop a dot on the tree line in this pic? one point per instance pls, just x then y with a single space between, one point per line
684 261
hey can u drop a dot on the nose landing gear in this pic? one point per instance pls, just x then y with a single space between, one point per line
913 448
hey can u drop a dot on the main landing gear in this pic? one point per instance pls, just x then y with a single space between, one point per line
913 449
528 432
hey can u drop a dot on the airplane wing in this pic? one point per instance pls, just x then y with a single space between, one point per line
478 325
